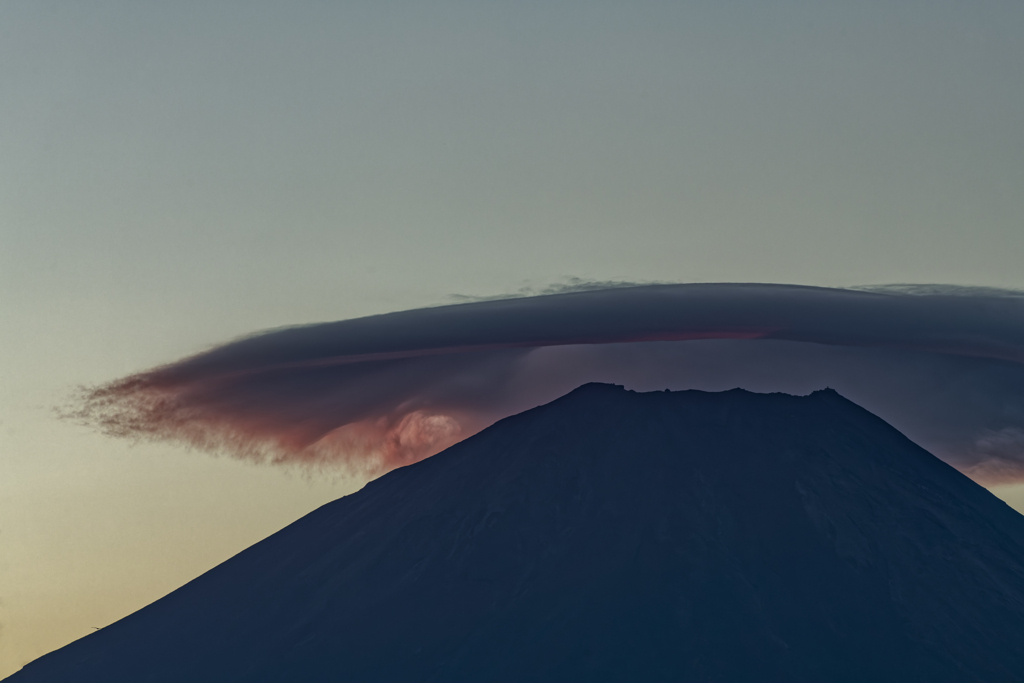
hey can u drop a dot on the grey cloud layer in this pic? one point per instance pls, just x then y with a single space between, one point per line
946 365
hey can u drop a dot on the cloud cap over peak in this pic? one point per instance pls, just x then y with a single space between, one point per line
379 391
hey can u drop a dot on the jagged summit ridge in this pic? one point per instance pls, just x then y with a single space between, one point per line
614 536
609 388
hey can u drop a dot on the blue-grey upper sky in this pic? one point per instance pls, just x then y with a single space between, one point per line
292 151
176 174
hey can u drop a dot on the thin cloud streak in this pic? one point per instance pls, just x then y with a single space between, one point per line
946 365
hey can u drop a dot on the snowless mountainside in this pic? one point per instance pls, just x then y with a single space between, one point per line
613 536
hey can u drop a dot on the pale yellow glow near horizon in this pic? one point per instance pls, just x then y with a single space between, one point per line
118 526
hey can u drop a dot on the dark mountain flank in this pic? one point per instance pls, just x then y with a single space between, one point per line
613 536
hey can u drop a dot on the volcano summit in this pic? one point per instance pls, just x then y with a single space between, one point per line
613 536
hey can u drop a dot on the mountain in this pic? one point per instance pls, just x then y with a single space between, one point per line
613 536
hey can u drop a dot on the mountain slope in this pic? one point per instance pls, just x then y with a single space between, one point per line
613 536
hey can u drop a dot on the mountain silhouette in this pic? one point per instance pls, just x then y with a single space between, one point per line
613 536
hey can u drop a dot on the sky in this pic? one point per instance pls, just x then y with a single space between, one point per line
177 175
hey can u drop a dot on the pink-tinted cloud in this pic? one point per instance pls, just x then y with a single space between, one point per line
946 365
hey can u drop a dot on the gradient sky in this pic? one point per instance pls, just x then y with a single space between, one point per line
173 175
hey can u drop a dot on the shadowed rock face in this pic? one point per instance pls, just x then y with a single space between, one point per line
613 536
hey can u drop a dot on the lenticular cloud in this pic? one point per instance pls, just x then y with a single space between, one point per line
943 364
